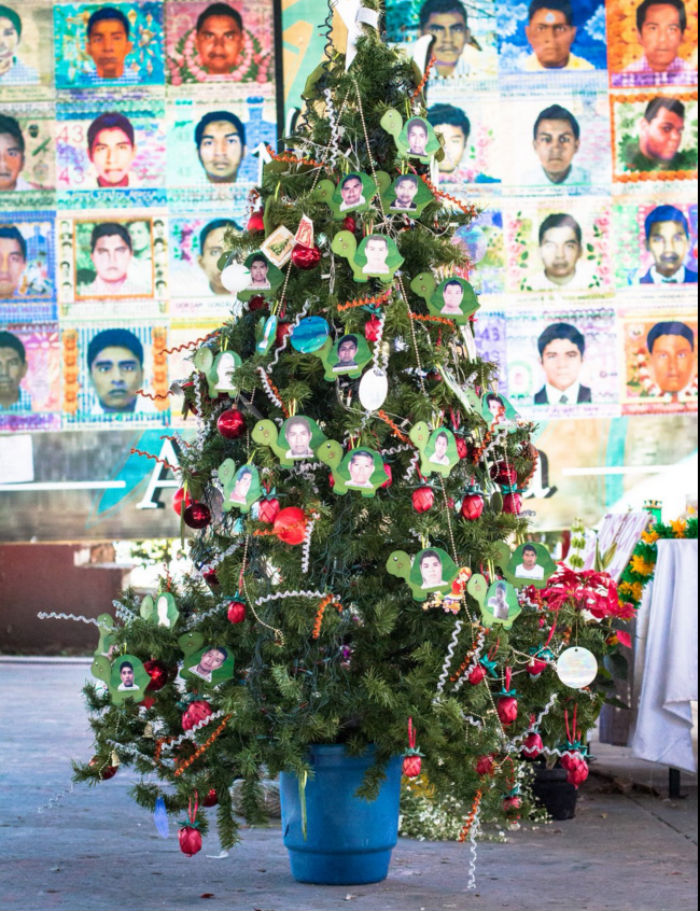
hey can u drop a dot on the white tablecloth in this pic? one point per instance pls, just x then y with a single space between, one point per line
670 676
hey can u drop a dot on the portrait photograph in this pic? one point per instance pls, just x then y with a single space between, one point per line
242 490
106 366
561 246
264 279
557 144
551 42
652 42
30 376
348 356
496 409
377 256
407 195
483 243
128 679
563 362
661 363
27 255
362 469
26 55
470 138
432 569
654 135
500 606
120 44
26 148
197 243
229 43
353 193
299 437
116 257
212 664
530 564
454 299
465 40
440 452
656 244
211 145
417 140
118 146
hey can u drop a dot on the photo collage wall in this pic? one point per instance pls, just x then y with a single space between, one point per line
128 134
129 141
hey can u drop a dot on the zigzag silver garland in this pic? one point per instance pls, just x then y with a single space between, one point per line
306 550
263 599
471 880
448 657
52 615
189 735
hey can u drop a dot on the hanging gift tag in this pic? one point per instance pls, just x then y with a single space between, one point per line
576 667
305 232
374 388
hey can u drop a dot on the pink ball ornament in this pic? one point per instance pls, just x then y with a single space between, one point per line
512 504
236 612
196 711
472 506
507 708
190 840
231 424
268 510
532 745
373 327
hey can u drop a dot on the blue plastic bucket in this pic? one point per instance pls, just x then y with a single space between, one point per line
348 840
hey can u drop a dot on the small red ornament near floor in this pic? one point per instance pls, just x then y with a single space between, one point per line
106 771
190 840
236 612
532 745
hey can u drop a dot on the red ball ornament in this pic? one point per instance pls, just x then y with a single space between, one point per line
197 515
190 840
576 768
532 745
512 803
477 674
472 506
373 327
507 708
305 257
106 771
512 503
211 799
196 711
462 448
231 423
268 510
236 612
257 302
256 222
535 667
158 673
485 765
411 765
503 473
423 499
389 476
290 525
178 497
283 330
211 578
350 224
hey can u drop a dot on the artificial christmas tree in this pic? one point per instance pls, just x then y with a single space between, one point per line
353 478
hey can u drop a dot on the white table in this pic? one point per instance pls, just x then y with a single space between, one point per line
669 682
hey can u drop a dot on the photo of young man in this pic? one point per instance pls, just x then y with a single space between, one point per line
556 142
111 253
297 433
351 193
212 246
220 141
658 147
376 250
11 155
108 44
115 366
672 360
13 71
347 351
528 568
361 469
13 261
417 136
430 566
667 238
551 31
219 38
561 348
405 188
660 29
13 369
112 149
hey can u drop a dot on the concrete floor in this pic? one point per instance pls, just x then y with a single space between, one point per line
629 848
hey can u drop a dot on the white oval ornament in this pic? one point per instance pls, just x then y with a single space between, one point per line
235 277
373 390
576 667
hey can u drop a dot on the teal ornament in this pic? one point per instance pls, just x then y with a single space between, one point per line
309 334
431 570
265 332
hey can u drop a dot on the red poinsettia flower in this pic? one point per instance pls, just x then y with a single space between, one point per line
588 590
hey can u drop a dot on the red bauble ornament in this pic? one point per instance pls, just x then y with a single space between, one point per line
255 222
507 708
158 673
389 476
350 224
106 771
477 674
411 765
512 503
532 745
257 302
290 525
503 473
305 257
462 449
283 330
196 711
211 799
485 765
197 515
373 327
472 506
512 803
268 510
211 578
231 424
423 499
190 840
576 768
236 612
535 666
178 497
